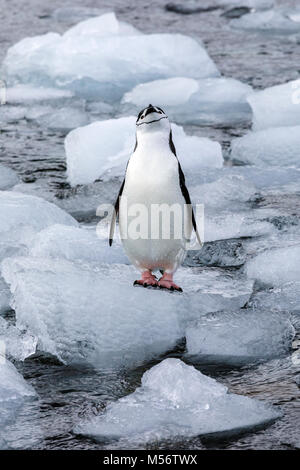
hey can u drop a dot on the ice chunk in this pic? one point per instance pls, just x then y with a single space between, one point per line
29 94
223 253
276 106
74 312
103 148
285 298
22 216
8 177
104 57
238 337
76 244
210 101
278 146
275 267
49 295
176 400
270 21
4 296
13 391
17 344
231 190
225 225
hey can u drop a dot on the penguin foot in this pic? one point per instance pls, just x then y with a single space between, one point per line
166 282
148 280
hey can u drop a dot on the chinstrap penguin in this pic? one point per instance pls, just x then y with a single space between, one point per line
154 178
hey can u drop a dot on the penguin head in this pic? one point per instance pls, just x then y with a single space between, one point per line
152 118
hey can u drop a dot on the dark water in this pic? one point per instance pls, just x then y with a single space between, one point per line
67 394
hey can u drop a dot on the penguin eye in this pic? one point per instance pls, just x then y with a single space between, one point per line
142 117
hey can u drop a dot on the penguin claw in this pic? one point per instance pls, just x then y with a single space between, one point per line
168 285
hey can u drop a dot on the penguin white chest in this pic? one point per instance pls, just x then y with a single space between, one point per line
152 209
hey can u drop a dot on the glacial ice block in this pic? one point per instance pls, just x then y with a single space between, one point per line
275 267
278 146
18 344
104 57
13 391
85 315
209 101
269 21
103 148
76 244
8 177
238 337
176 400
276 106
22 216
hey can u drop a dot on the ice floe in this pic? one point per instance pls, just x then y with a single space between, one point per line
275 267
276 106
102 57
103 148
238 337
8 177
22 216
269 21
278 146
210 101
18 344
176 400
285 297
13 391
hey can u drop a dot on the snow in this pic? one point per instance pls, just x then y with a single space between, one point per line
8 177
22 216
209 101
238 337
103 148
278 146
18 345
176 400
113 55
275 267
269 21
276 106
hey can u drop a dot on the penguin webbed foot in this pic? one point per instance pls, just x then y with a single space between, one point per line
148 280
166 282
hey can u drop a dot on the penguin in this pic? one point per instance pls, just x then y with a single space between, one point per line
154 179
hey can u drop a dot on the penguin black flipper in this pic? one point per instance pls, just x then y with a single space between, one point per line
115 214
187 199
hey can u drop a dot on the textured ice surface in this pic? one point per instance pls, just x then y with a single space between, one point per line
275 267
18 345
85 315
103 148
176 400
241 336
229 191
223 253
276 106
4 296
286 298
8 177
104 57
76 244
73 14
22 216
270 21
278 146
209 101
74 311
13 391
29 94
